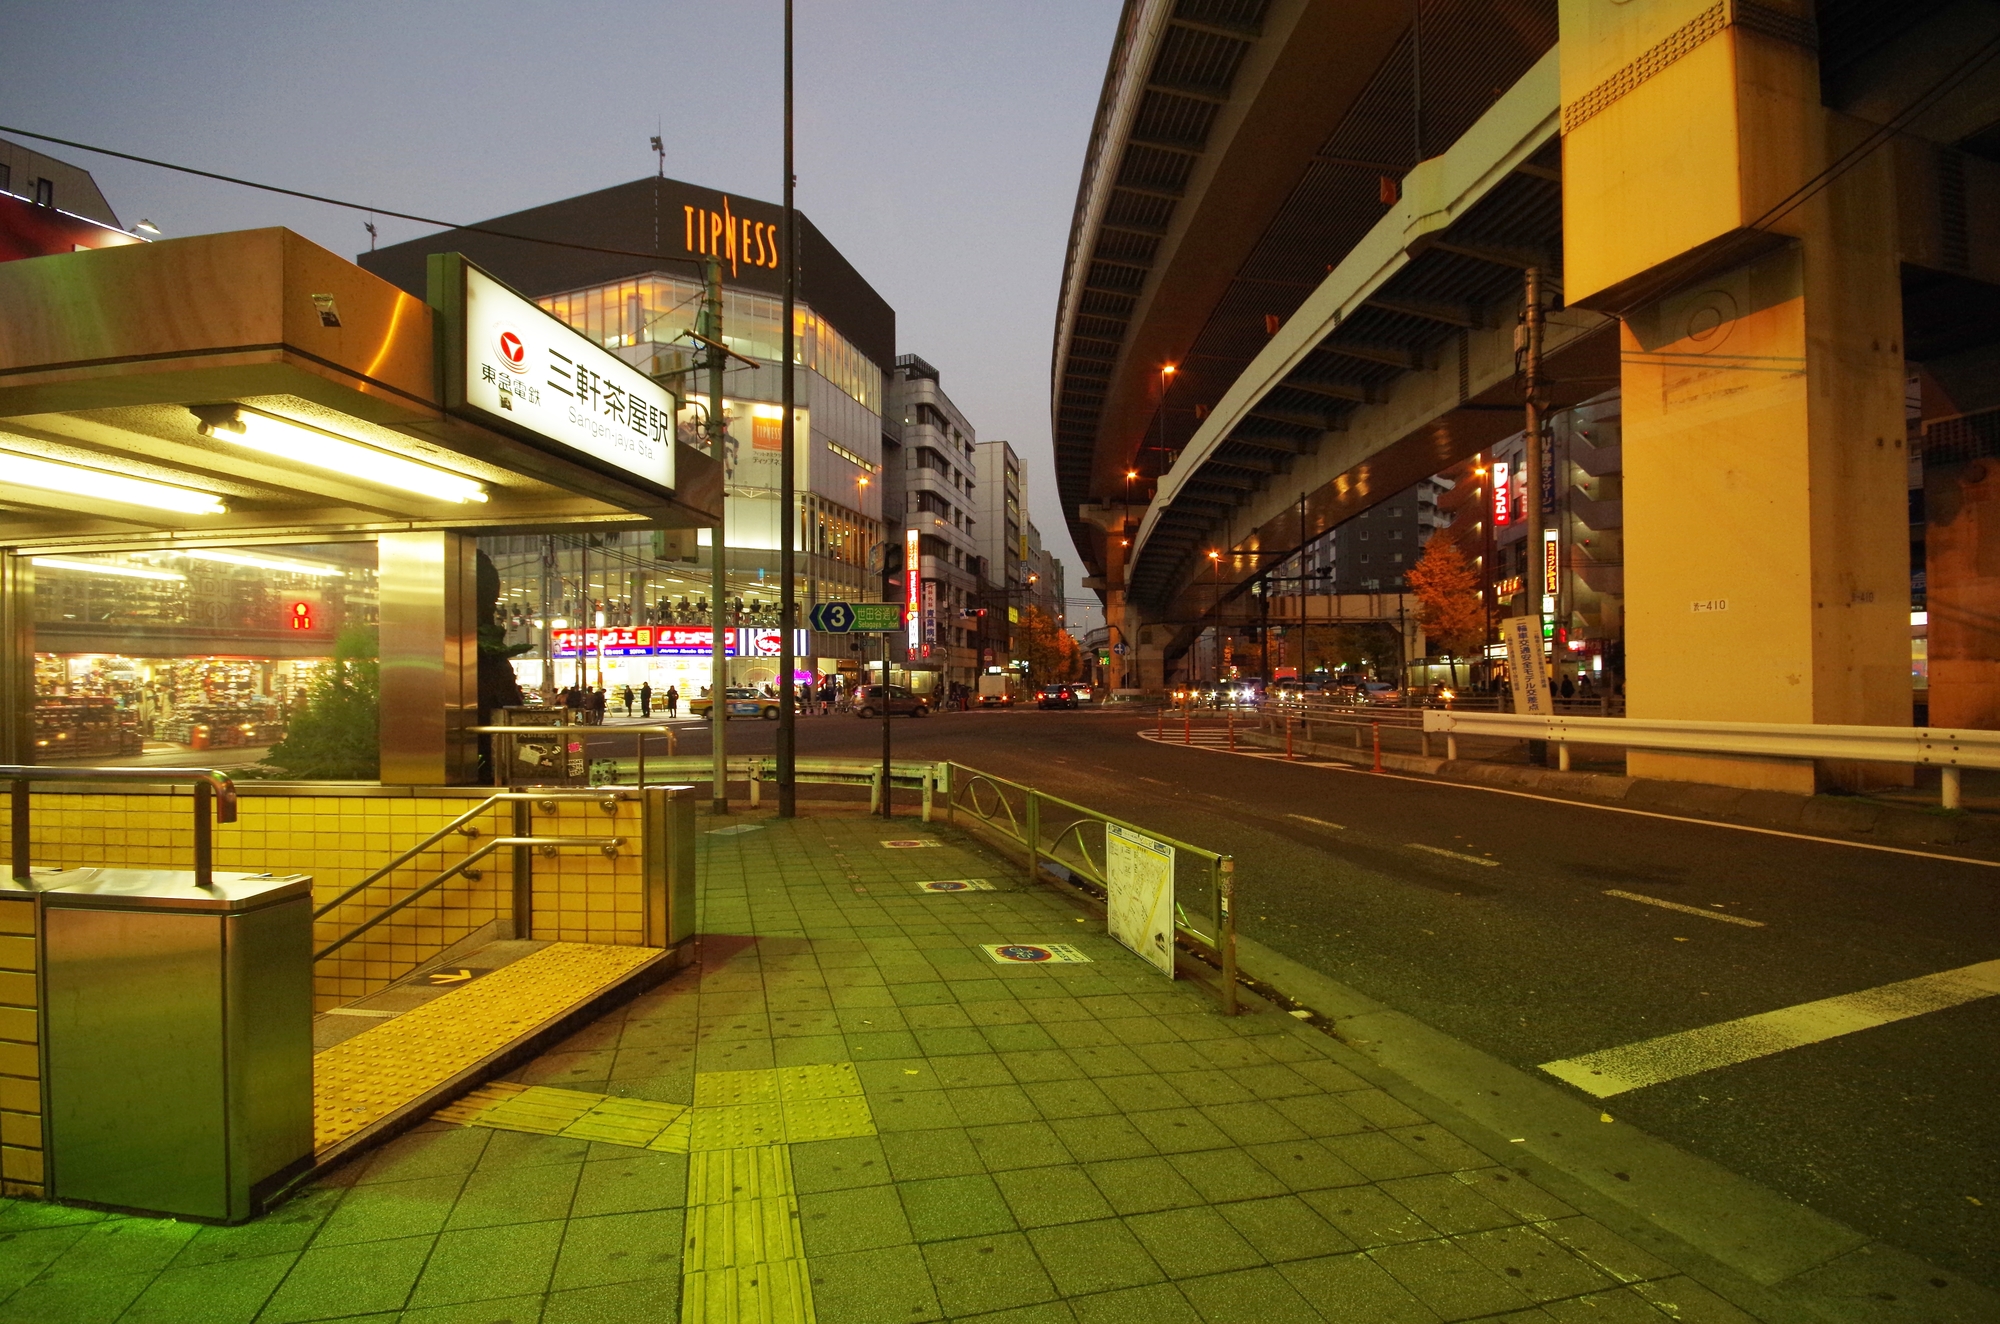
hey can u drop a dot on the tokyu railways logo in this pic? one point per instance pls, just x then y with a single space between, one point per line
513 350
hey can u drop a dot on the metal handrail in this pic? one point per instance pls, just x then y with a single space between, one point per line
455 825
210 787
549 845
1025 829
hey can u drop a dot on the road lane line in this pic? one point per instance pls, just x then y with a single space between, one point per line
1685 910
1452 854
1318 822
1672 1056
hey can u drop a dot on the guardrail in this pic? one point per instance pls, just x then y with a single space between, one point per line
1950 751
580 734
1016 813
210 788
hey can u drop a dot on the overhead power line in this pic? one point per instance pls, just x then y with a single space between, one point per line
341 202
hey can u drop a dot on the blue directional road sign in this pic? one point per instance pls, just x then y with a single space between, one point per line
857 617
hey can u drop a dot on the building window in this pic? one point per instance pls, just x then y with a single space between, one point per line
45 193
1364 558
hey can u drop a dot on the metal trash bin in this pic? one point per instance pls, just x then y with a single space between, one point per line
178 1049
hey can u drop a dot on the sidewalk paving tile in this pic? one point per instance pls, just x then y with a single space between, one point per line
1083 1142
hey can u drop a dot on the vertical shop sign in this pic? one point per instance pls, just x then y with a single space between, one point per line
1548 444
1551 562
913 574
1503 493
930 616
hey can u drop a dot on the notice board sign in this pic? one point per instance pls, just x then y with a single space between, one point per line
1527 672
1140 903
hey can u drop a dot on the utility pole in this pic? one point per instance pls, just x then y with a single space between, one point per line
718 448
788 525
1534 393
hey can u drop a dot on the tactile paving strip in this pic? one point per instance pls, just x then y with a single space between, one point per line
774 1293
364 1079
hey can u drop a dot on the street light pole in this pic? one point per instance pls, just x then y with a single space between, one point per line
788 496
1534 395
718 449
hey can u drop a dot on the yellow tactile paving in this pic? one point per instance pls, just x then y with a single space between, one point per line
748 1294
827 1119
722 1175
363 1079
741 1232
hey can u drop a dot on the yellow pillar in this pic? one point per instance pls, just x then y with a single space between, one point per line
1766 548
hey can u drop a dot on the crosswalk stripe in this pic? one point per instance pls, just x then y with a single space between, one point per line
1672 1056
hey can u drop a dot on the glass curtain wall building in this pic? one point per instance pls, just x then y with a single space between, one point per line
628 608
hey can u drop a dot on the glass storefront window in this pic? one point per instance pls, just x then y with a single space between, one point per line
205 656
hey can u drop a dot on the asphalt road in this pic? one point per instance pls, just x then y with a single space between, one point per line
1889 1129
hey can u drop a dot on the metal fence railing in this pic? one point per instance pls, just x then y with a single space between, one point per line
1066 841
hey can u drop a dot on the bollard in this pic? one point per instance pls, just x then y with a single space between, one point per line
1451 747
1378 744
1232 730
1562 756
1187 725
1288 735
1160 722
1427 743
1951 788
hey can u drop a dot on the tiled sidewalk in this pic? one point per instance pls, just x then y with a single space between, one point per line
1039 1143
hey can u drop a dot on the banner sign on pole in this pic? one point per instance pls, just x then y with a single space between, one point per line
1139 902
1526 672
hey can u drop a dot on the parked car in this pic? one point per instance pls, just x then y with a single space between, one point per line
1378 692
870 700
1055 696
739 702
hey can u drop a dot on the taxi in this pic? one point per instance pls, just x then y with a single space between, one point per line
739 702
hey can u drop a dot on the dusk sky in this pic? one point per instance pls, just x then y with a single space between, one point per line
939 143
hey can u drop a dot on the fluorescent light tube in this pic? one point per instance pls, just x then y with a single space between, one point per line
266 563
323 450
74 480
105 568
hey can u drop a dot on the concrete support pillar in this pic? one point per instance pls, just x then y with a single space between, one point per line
1962 555
1119 522
430 657
1766 550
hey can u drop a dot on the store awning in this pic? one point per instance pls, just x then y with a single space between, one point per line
253 384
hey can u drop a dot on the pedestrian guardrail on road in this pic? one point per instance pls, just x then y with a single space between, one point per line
1912 746
1058 832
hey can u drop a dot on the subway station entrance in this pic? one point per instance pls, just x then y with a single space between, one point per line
269 899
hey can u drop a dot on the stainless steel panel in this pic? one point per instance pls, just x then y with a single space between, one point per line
669 864
136 1061
17 659
171 889
267 1003
429 656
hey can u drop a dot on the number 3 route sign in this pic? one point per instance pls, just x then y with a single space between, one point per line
856 617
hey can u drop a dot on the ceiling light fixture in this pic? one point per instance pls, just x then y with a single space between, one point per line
105 568
74 480
266 563
303 444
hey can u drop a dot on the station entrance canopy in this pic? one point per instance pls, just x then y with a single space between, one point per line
252 384
250 408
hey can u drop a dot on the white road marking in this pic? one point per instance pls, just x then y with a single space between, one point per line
1452 854
1672 1056
1318 822
1685 910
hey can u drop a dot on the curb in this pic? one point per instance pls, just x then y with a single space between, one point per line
1766 1252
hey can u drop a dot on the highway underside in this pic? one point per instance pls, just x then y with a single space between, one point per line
1533 930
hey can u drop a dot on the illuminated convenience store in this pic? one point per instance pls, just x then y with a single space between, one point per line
242 480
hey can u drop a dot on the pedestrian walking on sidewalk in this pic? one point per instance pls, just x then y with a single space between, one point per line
627 695
673 701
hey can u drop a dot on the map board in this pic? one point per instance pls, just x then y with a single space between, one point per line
1140 903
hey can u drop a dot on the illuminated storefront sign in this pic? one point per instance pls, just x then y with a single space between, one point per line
672 641
930 616
913 575
517 368
737 240
1503 493
1551 561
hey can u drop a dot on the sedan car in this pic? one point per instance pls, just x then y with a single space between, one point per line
1055 696
1378 691
871 700
744 702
